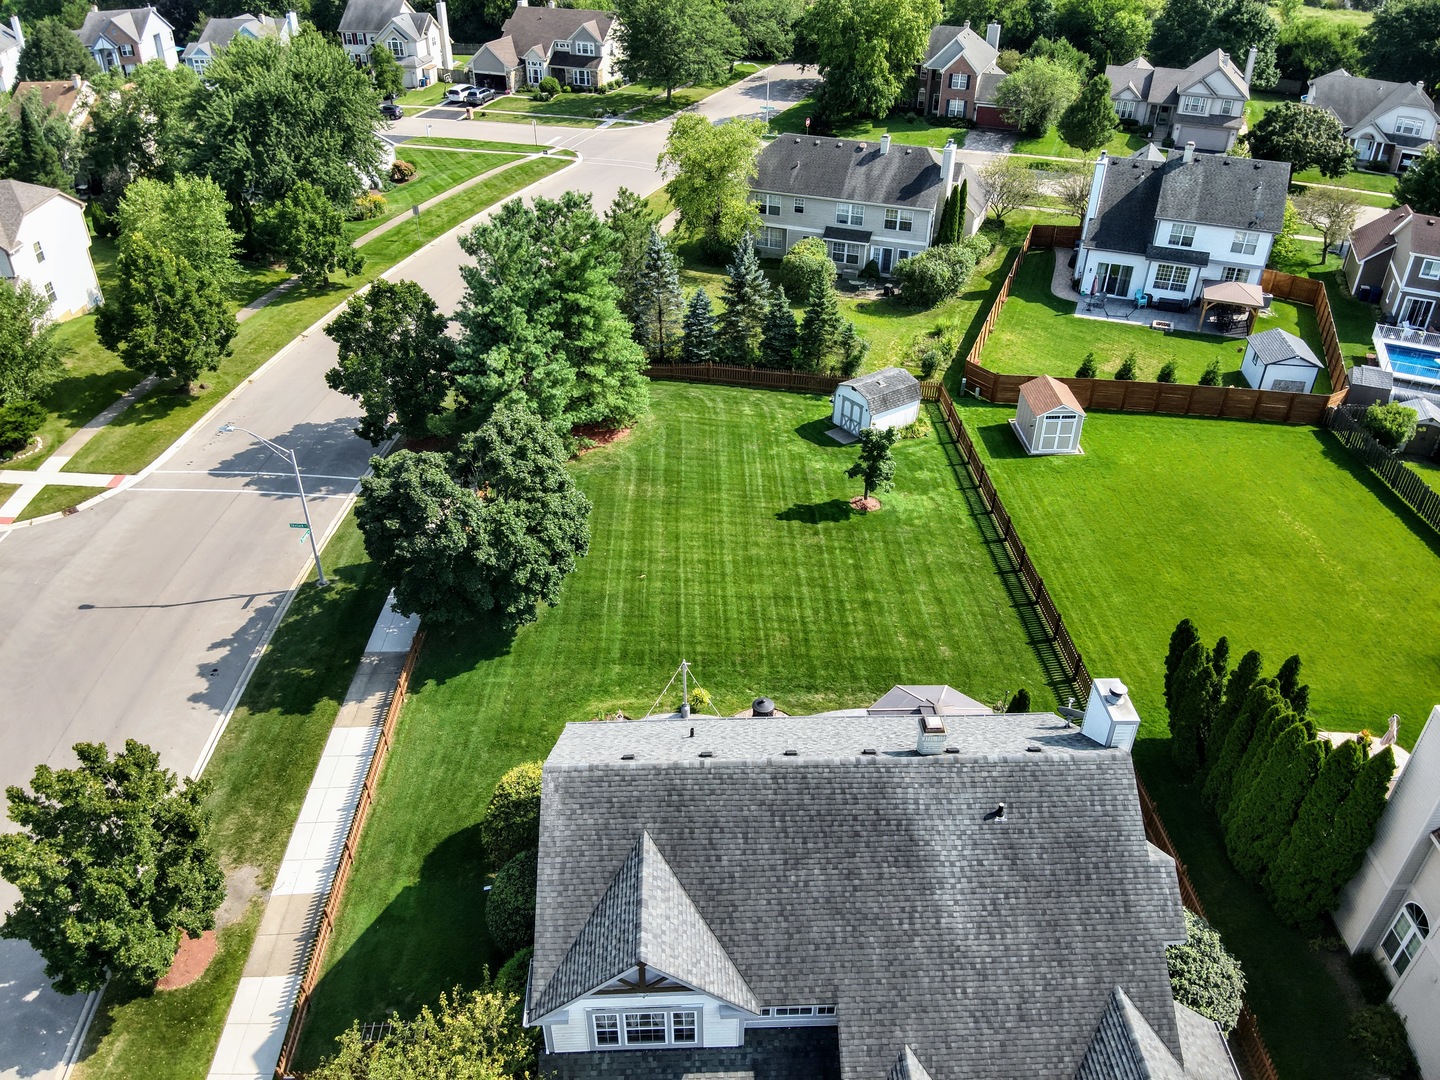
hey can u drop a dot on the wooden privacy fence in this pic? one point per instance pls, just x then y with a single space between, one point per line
755 378
316 955
1230 402
1423 499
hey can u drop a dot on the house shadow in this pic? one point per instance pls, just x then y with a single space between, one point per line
430 938
818 513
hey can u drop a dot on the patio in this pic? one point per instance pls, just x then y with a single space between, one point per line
1212 319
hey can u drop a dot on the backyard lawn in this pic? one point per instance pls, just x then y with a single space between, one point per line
722 535
1275 537
913 130
1038 333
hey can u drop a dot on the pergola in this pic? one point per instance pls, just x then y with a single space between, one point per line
1233 294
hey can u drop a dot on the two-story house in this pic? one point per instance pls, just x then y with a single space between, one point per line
70 98
44 240
414 38
1391 908
12 40
577 46
218 33
1395 262
123 39
1165 227
866 200
1203 103
1388 123
959 75
918 889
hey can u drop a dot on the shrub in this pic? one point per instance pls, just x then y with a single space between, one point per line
1379 1032
1128 369
977 245
400 171
1211 376
105 224
370 205
700 701
510 906
513 974
567 89
869 272
1204 976
918 428
19 421
805 266
1167 373
1088 368
1393 425
934 275
929 361
511 822
550 85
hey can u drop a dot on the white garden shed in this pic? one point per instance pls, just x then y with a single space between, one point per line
1048 419
883 399
1278 360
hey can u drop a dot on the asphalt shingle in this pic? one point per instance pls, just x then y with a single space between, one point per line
849 171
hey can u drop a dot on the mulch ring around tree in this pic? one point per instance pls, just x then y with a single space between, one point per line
865 505
194 955
598 436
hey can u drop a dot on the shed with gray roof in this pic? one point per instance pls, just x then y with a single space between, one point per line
882 399
1370 384
1276 359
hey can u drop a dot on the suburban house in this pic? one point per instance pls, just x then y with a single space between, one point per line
1391 907
1203 103
578 46
12 40
44 240
218 34
866 200
70 98
1276 359
882 399
933 890
416 39
1395 262
958 77
1388 123
1163 228
1048 419
125 38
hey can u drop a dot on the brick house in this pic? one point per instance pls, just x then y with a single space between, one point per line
958 77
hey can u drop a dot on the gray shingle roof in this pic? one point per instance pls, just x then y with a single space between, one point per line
1126 1047
1427 413
120 25
927 700
370 16
811 1053
532 27
886 389
948 43
1371 375
1356 101
876 882
1162 85
17 199
829 168
1279 346
1374 237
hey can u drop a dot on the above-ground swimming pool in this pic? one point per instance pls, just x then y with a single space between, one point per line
1411 354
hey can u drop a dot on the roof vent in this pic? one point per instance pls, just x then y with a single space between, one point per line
1257 164
998 814
869 751
627 757
860 148
952 749
1032 749
1115 692
762 706
792 753
707 753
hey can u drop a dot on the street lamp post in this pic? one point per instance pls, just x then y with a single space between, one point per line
289 455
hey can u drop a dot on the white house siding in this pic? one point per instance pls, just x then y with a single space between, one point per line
9 68
818 215
1264 378
573 1036
1417 993
59 227
1215 241
850 412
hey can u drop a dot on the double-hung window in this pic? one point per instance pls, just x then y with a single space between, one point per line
39 252
1182 236
1172 278
645 1027
1429 268
1236 273
127 50
1406 937
1195 106
583 48
771 239
397 48
955 107
1244 243
849 214
582 77
560 46
899 220
799 205
768 205
50 291
1226 106
844 254
959 81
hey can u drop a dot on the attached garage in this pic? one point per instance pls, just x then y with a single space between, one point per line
1048 419
1278 360
883 399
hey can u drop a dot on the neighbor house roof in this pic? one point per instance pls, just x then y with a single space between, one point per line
8 40
886 389
988 943
62 95
1427 413
948 43
1421 233
927 700
1357 101
370 16
1378 236
540 27
830 168
123 26
1279 346
17 199
218 33
1371 375
1162 85
1043 394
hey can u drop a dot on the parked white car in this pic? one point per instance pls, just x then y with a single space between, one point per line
456 94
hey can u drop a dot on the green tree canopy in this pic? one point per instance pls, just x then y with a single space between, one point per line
806 265
385 71
631 217
306 231
747 298
1306 136
1204 976
1195 692
140 126
394 358
820 332
766 27
1021 21
1035 94
185 216
1186 30
708 169
1308 48
779 335
511 822
1239 732
113 864
1392 424
31 355
36 159
1088 122
1181 638
510 907
676 42
1419 185
52 51
1263 819
1402 42
875 467
1109 31
1058 49
868 51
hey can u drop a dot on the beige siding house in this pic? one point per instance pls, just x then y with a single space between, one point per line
1388 123
577 46
1203 103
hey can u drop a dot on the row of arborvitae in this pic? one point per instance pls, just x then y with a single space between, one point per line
1298 813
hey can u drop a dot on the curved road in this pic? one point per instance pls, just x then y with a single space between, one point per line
137 617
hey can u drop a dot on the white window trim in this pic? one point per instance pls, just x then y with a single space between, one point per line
38 252
1191 105
799 205
1125 109
1172 271
1430 269
1181 235
955 107
1226 106
1409 125
669 1012
50 293
904 220
849 214
1244 243
582 77
768 205
583 48
766 235
1410 928
1236 273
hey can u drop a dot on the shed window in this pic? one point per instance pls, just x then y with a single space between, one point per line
1172 278
1406 937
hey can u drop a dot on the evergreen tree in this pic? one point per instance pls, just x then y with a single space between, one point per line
876 466
747 297
962 207
1239 732
656 304
852 349
36 160
779 336
1355 825
1183 636
1237 689
1088 122
1220 659
820 332
1194 690
1300 700
1288 678
1268 728
631 218
1261 822
698 345
1300 882
952 218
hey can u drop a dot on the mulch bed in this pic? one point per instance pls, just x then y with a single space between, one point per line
598 436
864 505
190 962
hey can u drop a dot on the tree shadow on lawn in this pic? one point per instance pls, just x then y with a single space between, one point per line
458 649
818 513
430 938
1334 452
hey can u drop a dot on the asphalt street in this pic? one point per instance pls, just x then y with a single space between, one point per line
138 617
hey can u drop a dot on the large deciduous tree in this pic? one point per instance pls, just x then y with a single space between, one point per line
1088 122
541 318
30 350
53 51
1186 30
386 72
1402 42
1419 185
676 42
1204 976
1109 31
708 169
186 216
1035 94
1306 136
1021 21
766 27
1308 48
867 51
394 358
656 304
140 126
1009 185
306 231
113 864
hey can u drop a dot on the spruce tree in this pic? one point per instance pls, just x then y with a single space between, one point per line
1183 636
698 344
1355 825
747 297
852 349
1267 729
1193 693
821 330
1221 776
779 335
656 304
947 214
962 207
1288 678
1300 882
1088 122
1263 819
1300 700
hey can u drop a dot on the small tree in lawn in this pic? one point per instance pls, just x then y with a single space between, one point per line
698 344
510 907
113 864
1392 424
306 231
656 303
852 350
394 358
747 297
1306 136
1088 122
806 265
1288 677
1128 370
1331 210
632 218
31 356
385 70
1088 370
820 331
875 467
1211 375
1167 372
779 336
1204 976
1009 185
1073 190
511 822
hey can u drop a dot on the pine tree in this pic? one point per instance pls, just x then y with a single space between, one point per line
1237 688
1355 825
698 345
1300 880
36 160
656 304
1263 819
779 335
1221 776
821 330
747 297
1183 636
1090 119
852 350
1267 730
962 207
1193 691
952 218
947 216
1288 678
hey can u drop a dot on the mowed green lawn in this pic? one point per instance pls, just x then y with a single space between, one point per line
436 172
902 128
1038 333
722 535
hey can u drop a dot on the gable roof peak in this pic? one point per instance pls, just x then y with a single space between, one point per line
907 1067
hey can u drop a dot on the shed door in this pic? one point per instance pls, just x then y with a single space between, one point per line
1056 432
1294 386
851 415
